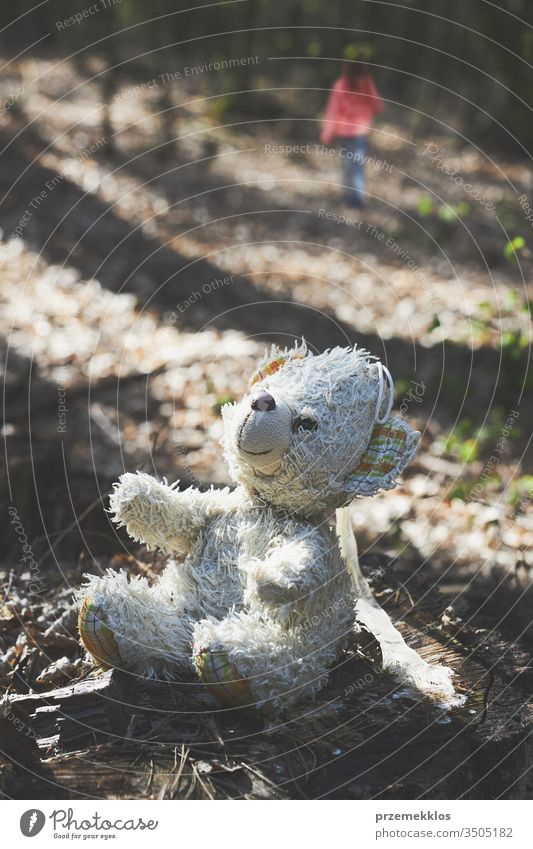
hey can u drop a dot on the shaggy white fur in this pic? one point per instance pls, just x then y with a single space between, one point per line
263 582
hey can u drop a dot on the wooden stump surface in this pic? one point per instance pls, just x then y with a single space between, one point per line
114 735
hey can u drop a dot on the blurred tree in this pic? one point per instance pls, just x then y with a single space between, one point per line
441 41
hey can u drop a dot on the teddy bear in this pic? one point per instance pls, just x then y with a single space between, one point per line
260 596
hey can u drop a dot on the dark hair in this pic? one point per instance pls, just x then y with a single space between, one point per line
354 73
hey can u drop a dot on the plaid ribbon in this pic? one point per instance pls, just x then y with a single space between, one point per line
381 456
274 365
97 638
222 679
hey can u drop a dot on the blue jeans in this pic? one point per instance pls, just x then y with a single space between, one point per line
353 152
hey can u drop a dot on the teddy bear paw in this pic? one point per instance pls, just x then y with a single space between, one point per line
96 635
221 678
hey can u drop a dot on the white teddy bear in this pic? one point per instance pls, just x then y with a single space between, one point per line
261 602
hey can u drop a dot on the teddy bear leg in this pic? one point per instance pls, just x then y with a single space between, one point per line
245 660
131 625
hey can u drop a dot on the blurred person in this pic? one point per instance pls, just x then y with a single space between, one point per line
352 105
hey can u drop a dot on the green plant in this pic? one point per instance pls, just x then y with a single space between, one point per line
449 212
218 107
467 441
463 209
513 343
219 403
511 300
401 388
521 490
514 246
425 206
465 488
314 48
359 51
465 450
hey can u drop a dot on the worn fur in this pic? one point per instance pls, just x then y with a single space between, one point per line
262 578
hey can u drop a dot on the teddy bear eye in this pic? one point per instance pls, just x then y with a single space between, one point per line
304 423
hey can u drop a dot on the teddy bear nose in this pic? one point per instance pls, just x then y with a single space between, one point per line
264 402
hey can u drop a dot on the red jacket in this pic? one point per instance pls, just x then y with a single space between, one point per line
349 112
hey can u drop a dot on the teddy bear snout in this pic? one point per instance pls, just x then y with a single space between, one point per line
262 429
264 402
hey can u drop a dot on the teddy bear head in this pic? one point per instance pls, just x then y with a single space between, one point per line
314 431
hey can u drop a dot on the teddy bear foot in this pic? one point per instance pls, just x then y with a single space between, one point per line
222 679
97 637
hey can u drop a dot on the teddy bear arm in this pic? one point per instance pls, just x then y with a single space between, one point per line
159 515
290 571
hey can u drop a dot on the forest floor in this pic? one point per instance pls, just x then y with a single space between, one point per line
148 258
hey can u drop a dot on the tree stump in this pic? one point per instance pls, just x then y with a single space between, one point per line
115 735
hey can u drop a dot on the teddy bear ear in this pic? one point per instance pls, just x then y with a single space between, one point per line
276 358
392 445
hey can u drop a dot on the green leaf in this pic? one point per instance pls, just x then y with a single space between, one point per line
511 300
513 246
513 342
351 51
447 213
468 451
219 403
425 206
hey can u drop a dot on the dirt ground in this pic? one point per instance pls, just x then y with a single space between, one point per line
153 246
